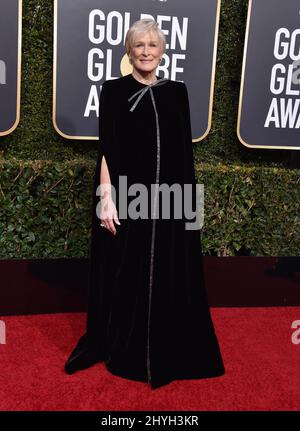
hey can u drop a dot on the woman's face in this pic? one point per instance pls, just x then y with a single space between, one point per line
146 51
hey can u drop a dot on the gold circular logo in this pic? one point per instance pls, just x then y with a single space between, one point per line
125 66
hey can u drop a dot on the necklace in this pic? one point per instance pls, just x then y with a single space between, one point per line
145 83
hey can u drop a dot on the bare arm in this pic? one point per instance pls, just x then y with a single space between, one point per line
108 209
105 177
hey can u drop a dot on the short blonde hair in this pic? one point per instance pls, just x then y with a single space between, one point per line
143 26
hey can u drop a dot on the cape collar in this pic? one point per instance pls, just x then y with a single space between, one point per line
144 90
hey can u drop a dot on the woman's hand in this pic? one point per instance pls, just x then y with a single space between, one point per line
108 213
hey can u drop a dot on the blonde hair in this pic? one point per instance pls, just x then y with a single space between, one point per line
143 26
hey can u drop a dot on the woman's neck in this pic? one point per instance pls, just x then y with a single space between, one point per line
146 78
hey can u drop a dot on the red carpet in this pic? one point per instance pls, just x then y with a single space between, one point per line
262 368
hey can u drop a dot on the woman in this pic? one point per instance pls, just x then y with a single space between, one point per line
148 316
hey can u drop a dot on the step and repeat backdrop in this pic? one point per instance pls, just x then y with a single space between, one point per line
89 48
10 64
269 112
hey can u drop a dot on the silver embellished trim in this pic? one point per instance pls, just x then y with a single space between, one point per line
141 94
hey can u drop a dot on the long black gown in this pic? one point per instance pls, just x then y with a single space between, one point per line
148 316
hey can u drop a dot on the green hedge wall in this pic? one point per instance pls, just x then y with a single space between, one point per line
251 198
47 209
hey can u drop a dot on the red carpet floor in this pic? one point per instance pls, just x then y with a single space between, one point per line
262 368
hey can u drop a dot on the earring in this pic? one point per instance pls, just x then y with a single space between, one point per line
130 61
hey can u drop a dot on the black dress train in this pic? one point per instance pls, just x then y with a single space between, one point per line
148 315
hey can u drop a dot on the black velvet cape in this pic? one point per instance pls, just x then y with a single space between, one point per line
165 334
